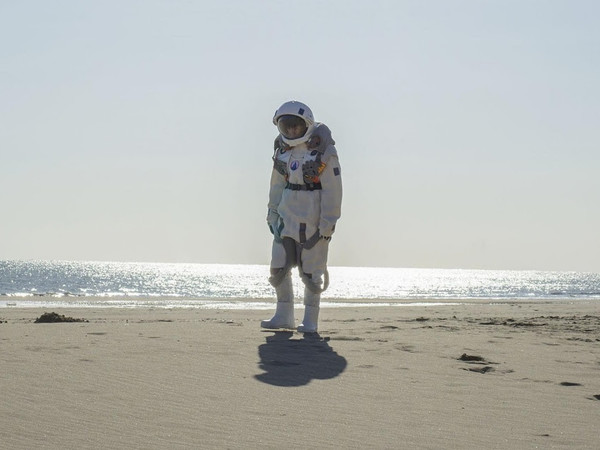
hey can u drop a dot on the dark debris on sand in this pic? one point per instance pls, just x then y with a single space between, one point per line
56 318
484 369
479 360
466 357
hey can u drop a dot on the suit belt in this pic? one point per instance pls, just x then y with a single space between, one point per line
304 187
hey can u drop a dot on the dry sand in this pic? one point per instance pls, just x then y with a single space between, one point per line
380 377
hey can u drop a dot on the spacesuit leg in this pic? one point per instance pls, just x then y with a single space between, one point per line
281 278
315 278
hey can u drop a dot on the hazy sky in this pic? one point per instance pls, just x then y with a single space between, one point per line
468 131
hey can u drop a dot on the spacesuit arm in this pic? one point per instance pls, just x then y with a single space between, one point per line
331 194
275 192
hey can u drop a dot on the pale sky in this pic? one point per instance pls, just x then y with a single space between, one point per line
468 131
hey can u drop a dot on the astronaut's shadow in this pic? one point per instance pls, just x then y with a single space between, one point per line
289 362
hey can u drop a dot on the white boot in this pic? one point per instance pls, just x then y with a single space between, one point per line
284 314
311 312
310 322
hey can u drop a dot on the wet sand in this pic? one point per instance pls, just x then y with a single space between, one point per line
472 376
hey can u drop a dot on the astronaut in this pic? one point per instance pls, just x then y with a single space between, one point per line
304 205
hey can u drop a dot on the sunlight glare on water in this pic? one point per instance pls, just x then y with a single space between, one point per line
181 283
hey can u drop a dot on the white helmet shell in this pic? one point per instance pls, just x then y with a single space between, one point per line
298 109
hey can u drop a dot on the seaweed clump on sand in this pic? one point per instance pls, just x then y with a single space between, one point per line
55 318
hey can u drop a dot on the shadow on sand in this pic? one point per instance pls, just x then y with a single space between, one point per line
295 362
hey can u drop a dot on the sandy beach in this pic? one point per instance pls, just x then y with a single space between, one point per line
506 376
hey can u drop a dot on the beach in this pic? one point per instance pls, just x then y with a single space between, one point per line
505 375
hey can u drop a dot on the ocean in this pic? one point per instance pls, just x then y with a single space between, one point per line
232 286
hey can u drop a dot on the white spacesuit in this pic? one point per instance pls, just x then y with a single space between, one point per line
304 205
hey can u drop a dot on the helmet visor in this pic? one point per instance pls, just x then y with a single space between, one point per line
292 127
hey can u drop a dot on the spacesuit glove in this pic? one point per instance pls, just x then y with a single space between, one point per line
275 231
273 220
326 232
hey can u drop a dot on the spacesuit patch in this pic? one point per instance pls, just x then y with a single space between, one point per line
311 170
